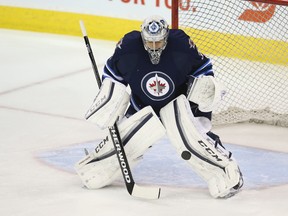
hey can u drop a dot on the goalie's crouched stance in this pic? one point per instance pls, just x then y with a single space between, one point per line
138 132
207 157
191 137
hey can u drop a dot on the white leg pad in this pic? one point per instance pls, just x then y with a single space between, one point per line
138 133
211 163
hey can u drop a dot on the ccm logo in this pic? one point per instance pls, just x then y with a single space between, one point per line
209 150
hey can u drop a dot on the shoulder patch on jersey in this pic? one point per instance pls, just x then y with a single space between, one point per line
157 85
119 43
191 43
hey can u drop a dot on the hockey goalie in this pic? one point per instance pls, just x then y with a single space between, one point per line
172 90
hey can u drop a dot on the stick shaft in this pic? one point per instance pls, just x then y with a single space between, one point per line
90 52
132 188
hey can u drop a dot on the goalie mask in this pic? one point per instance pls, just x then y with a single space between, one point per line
154 32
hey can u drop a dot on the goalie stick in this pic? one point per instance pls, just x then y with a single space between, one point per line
132 188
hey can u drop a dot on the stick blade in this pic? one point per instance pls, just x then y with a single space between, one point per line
146 192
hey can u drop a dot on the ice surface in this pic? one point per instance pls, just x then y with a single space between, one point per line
46 86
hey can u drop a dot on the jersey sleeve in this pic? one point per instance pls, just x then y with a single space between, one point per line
205 68
116 66
110 69
199 64
202 64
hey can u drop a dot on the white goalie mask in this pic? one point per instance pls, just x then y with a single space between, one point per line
154 32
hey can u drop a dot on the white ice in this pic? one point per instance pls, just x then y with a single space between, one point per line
46 86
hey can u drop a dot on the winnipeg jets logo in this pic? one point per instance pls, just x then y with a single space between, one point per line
153 27
157 86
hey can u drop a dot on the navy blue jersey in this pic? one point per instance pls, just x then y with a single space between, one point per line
156 84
